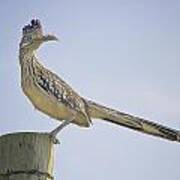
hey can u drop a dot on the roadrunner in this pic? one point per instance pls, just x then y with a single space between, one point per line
54 97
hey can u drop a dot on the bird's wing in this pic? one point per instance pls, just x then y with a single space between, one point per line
59 89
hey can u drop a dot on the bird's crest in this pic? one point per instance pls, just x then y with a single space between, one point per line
31 31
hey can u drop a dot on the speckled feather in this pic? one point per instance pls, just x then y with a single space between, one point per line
55 86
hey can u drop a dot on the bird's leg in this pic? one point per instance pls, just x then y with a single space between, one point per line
54 132
60 127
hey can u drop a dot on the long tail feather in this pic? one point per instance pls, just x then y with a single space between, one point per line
132 122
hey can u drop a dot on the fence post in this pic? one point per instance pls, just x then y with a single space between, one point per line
26 156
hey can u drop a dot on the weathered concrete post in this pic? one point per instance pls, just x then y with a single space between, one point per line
26 156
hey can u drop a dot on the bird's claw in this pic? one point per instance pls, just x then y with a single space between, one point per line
54 139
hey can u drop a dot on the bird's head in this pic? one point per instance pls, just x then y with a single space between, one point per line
33 37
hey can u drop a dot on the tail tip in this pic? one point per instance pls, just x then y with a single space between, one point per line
178 136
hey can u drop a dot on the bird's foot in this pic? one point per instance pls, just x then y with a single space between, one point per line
53 138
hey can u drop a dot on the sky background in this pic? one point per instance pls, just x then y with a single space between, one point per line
121 53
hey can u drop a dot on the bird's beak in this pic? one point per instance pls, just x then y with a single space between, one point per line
50 38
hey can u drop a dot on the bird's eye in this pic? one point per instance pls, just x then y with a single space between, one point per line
29 38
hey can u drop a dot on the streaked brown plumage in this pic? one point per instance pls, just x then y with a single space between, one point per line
54 97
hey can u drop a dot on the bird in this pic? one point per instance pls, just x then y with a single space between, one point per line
52 96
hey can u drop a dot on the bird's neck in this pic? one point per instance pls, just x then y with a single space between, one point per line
26 56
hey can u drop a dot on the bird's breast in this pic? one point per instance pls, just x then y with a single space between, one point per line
47 103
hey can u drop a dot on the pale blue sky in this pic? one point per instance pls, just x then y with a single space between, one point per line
122 53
